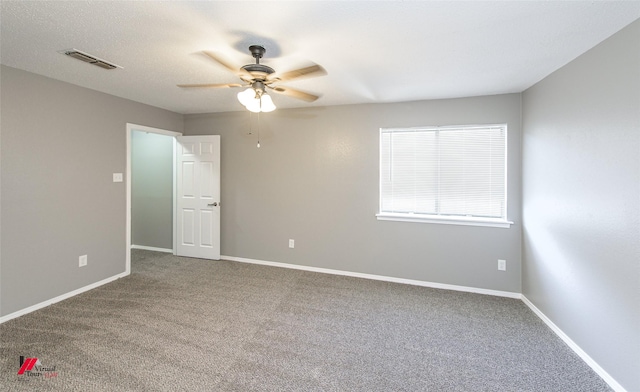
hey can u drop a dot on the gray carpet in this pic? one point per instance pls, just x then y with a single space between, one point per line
180 324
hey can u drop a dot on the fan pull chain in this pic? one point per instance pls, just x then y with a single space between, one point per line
258 129
251 127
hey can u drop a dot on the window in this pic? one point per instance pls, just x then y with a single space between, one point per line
444 174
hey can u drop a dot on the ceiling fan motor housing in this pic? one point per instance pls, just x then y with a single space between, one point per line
258 68
259 71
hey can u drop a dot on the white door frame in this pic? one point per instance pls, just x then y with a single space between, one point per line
143 128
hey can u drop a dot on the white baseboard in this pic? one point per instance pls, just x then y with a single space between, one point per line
434 285
583 355
152 248
59 298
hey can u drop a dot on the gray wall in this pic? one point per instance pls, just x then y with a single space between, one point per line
581 197
60 145
152 190
315 180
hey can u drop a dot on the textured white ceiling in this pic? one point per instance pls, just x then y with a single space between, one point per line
383 51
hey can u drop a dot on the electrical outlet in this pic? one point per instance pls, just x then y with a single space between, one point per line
292 244
82 261
117 177
502 265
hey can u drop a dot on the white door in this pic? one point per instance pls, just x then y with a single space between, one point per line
198 196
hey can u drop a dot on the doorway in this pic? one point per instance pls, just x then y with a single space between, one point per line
150 200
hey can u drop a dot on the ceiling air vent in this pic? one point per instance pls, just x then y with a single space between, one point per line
87 58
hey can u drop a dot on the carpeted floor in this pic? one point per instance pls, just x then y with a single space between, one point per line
180 324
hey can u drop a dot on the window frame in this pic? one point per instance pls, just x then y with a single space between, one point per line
444 219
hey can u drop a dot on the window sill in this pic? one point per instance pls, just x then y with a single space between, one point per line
449 220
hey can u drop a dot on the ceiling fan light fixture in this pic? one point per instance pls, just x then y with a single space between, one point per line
245 97
256 102
254 106
267 104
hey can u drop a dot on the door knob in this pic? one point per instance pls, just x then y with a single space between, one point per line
214 204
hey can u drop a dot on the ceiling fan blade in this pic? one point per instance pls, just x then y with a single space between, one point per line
295 93
236 70
225 85
306 72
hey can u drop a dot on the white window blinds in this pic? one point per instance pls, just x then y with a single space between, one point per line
444 171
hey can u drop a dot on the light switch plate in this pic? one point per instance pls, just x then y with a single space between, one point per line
117 177
502 265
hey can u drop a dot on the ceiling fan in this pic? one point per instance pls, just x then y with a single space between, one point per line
260 77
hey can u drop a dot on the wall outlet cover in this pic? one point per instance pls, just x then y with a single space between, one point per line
82 261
